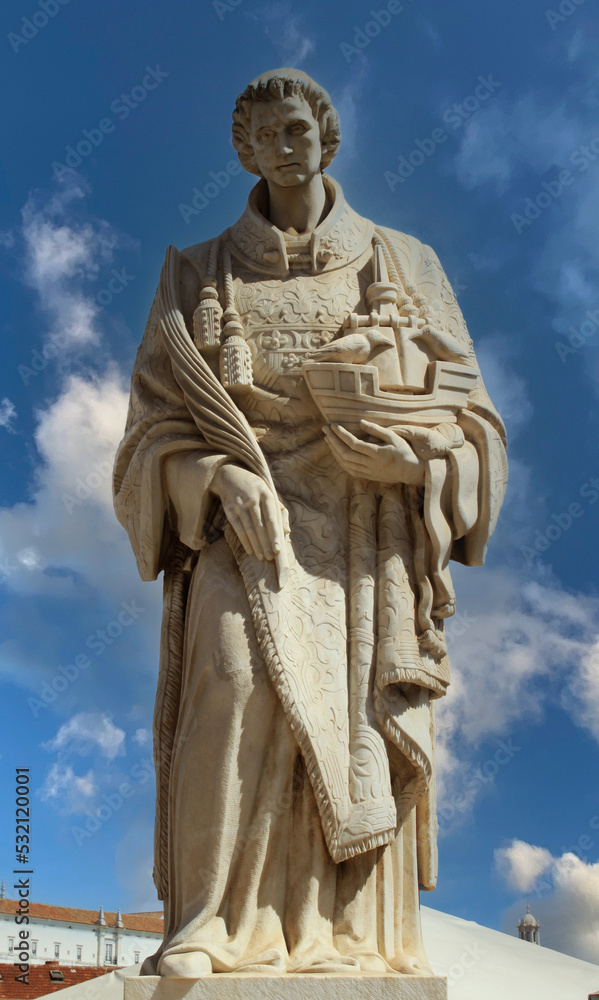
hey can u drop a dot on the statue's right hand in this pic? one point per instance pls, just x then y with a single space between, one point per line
251 510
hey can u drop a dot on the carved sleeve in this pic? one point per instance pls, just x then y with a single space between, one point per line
479 470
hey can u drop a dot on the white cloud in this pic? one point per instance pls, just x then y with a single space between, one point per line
142 737
518 640
64 541
63 255
521 865
86 732
516 147
71 792
566 904
501 139
69 521
79 434
507 389
581 698
514 648
29 558
8 413
347 102
521 636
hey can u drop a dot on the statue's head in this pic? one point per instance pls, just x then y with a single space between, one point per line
285 127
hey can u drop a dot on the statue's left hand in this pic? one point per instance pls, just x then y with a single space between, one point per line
392 462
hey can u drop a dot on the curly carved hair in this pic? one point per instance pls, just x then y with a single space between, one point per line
275 86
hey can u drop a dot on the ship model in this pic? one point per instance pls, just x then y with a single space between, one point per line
387 378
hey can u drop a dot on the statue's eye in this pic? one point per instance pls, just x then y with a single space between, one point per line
297 129
266 135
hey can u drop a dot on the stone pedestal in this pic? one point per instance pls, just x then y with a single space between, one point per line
363 986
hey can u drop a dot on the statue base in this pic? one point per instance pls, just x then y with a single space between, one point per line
293 986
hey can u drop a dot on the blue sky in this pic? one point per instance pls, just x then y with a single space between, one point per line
473 127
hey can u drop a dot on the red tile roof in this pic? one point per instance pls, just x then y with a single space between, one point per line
148 922
40 982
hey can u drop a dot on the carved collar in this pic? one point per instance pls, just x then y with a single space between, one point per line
339 239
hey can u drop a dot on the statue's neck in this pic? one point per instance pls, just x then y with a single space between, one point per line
298 209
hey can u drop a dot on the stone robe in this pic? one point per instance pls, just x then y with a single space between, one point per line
294 730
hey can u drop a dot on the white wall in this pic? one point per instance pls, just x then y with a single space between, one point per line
70 936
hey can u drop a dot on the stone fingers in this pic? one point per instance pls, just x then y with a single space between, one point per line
383 432
354 443
353 462
272 519
242 528
257 526
263 533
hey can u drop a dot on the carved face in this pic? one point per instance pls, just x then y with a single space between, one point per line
285 138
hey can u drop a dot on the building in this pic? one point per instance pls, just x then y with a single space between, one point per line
80 938
528 928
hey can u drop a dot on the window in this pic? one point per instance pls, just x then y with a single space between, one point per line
78 952
11 945
56 950
56 976
33 949
135 957
108 958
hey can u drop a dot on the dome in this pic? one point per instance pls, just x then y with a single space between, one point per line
528 920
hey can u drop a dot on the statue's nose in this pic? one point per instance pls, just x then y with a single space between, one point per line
283 144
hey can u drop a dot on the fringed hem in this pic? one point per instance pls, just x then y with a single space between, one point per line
414 675
366 844
332 828
168 700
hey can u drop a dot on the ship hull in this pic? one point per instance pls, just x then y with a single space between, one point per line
346 394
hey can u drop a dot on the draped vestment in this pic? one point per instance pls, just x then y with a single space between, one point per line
294 729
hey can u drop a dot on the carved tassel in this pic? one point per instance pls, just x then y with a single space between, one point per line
236 372
207 317
206 320
235 358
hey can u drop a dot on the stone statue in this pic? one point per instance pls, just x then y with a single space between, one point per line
308 443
